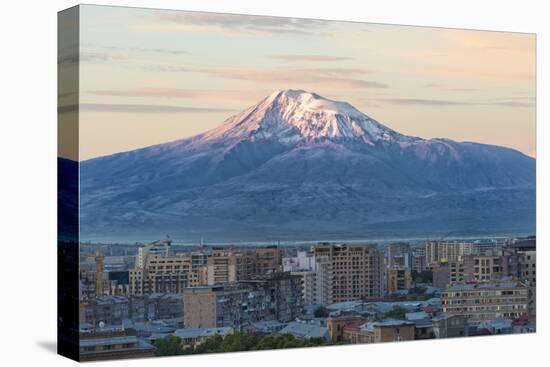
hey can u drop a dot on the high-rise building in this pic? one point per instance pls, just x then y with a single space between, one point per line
418 259
99 270
351 271
399 254
161 274
268 259
302 261
451 251
228 265
398 278
161 247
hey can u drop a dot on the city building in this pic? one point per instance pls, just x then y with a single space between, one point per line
378 331
519 262
303 261
309 287
398 279
482 268
276 296
451 251
112 344
99 269
228 265
399 254
109 310
388 331
450 326
160 273
486 301
268 260
353 271
301 330
161 247
337 325
118 283
447 272
418 258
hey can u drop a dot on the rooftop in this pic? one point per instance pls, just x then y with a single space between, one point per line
202 332
305 331
466 287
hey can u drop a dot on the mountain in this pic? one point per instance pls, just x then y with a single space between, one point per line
300 166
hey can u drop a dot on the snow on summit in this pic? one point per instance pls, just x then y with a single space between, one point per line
294 115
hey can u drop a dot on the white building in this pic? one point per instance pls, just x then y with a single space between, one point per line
303 261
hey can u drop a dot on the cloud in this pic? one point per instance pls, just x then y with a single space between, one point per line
320 58
284 77
162 92
138 108
462 89
159 50
174 69
425 102
333 77
513 104
452 89
88 56
234 23
447 103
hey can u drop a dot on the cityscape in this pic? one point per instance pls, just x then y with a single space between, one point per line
236 183
161 299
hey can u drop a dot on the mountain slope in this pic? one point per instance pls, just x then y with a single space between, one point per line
297 165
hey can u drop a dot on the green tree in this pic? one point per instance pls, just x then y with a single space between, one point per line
242 341
238 342
425 276
396 313
169 346
211 345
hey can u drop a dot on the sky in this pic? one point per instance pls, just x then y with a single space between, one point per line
153 76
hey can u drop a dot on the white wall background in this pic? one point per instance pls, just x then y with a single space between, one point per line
28 181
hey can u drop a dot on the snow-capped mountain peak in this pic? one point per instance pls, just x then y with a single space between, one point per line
294 115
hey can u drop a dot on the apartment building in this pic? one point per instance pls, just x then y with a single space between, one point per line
352 271
269 259
486 301
398 279
276 296
418 259
482 268
160 274
112 344
300 262
399 254
451 251
353 330
161 247
231 265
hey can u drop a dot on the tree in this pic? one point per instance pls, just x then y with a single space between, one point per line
211 345
169 346
396 313
240 341
320 312
425 276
